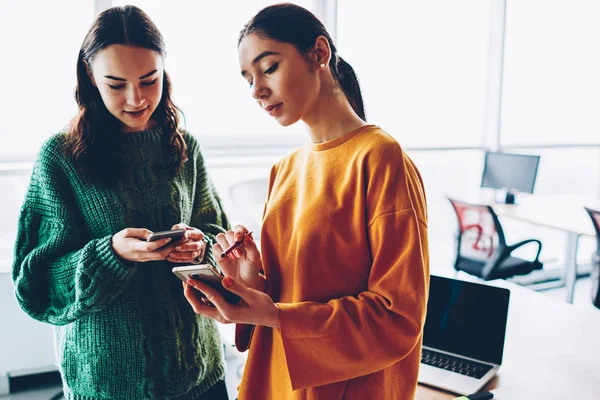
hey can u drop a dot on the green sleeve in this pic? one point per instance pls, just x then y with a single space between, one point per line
60 273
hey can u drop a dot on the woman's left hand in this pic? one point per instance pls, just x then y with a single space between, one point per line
254 308
191 248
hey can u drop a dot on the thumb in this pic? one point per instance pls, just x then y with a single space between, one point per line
230 284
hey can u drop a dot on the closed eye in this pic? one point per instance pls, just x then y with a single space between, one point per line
116 87
272 69
152 82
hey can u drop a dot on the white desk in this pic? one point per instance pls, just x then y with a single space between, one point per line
564 213
550 350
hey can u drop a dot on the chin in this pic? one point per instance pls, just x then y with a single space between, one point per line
287 121
134 127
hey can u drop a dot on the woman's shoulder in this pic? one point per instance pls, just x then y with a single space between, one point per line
54 148
54 142
378 143
192 143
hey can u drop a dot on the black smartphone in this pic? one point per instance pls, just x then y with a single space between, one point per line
174 234
209 275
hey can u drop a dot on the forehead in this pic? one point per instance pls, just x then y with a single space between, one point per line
123 60
253 45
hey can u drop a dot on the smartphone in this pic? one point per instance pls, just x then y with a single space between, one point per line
209 275
175 234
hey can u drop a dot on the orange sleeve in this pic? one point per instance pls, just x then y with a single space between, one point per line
354 336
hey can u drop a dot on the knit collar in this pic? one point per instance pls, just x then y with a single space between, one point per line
153 135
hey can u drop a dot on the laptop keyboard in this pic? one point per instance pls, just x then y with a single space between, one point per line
462 366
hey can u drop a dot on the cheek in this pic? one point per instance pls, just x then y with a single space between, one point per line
111 98
300 88
154 93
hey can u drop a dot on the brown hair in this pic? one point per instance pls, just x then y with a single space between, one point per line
88 133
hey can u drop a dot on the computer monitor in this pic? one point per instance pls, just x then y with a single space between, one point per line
510 172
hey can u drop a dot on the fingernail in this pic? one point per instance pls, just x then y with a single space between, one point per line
191 282
178 248
167 240
227 282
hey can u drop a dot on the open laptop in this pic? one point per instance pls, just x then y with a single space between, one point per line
464 333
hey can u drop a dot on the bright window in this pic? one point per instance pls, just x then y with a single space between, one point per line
551 73
40 43
422 66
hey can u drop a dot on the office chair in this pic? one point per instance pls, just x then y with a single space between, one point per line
595 275
481 248
249 199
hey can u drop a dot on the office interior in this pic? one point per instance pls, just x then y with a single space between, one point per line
452 81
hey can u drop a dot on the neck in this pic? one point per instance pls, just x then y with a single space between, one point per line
332 115
149 125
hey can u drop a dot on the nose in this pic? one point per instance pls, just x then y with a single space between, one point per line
135 97
259 90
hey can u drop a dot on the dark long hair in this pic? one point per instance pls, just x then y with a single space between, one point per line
89 132
293 24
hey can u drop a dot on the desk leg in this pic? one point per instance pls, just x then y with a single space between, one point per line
571 264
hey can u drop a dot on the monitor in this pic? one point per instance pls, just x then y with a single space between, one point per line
510 172
466 318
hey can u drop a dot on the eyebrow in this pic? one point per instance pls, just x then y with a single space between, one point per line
260 57
121 79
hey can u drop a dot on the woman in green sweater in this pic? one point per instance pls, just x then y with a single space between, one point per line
120 171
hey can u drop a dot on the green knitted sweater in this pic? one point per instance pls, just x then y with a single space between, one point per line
123 331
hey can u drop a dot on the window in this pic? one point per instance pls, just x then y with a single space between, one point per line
551 73
421 65
40 44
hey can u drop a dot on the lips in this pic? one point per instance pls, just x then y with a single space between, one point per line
136 113
272 107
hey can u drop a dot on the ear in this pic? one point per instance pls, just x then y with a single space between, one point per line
321 52
88 69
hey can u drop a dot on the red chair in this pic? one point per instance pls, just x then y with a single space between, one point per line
481 248
595 275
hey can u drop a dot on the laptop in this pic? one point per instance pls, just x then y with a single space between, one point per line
464 333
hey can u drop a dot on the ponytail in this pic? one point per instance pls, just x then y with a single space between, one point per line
348 81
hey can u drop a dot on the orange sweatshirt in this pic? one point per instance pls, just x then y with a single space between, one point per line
345 253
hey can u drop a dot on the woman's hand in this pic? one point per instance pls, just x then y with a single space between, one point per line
191 248
254 308
243 264
130 245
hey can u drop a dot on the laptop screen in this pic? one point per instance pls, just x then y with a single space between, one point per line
467 319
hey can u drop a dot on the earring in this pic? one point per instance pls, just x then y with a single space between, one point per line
322 65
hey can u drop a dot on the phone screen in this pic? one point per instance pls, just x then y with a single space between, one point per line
209 275
175 234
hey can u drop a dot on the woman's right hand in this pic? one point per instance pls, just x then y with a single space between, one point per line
243 264
130 245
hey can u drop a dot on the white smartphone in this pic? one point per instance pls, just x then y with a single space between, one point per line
207 274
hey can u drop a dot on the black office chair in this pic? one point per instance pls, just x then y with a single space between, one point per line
595 275
481 248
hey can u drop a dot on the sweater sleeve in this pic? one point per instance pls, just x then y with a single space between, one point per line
208 214
60 273
358 335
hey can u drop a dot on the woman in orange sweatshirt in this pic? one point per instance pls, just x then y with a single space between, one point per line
333 305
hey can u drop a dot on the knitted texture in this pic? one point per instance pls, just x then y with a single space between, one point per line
123 330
